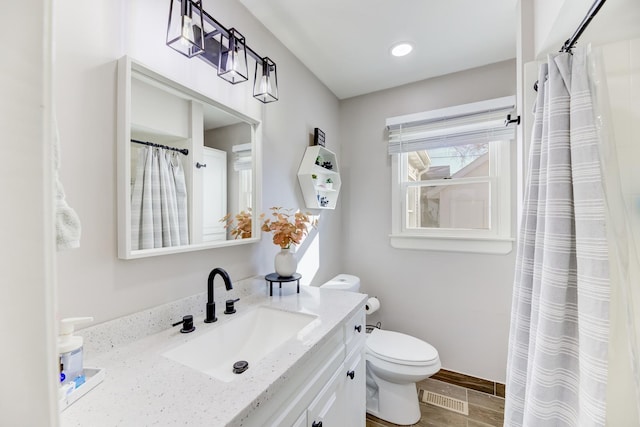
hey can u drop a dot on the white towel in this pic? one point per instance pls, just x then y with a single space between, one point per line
67 221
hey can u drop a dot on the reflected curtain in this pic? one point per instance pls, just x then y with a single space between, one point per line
558 344
158 200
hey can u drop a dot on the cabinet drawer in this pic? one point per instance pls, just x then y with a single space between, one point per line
355 330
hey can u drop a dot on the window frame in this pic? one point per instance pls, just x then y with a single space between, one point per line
497 239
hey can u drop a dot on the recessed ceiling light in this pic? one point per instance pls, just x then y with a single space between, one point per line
401 49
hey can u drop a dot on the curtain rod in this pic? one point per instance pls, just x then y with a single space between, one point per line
153 144
571 41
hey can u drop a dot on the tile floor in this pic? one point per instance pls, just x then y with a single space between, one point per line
485 410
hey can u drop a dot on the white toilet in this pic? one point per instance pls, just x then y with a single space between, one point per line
395 362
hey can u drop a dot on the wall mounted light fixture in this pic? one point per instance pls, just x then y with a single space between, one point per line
184 33
194 33
265 86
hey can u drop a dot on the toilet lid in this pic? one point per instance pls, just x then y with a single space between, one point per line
400 348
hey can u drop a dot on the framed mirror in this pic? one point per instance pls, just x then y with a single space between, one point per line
185 162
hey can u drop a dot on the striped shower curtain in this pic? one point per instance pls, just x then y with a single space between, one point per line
158 200
558 344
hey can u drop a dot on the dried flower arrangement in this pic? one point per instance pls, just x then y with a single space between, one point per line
243 228
287 228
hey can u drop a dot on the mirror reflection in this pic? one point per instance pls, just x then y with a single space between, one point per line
191 162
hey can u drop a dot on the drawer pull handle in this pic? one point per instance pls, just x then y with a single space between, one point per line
316 424
358 328
351 374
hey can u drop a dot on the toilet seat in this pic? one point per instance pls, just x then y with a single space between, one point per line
399 348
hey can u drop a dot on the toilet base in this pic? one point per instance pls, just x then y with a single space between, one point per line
396 403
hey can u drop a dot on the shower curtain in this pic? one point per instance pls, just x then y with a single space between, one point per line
158 200
558 343
621 191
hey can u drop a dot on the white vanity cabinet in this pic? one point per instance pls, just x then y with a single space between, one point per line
328 409
316 375
342 402
329 390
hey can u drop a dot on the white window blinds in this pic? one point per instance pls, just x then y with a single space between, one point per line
464 124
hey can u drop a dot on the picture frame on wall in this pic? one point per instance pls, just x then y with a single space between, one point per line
318 137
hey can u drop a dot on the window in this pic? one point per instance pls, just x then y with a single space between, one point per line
451 180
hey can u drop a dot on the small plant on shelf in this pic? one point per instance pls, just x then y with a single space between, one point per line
328 183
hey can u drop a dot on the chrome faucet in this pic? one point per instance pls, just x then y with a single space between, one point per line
211 305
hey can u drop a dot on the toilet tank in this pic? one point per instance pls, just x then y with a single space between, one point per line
343 282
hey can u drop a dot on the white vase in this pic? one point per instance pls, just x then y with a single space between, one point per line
285 263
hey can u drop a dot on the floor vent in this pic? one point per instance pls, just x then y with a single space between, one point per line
445 402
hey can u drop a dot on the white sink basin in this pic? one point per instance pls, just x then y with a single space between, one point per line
250 336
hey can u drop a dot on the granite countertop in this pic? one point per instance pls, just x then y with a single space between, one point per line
144 388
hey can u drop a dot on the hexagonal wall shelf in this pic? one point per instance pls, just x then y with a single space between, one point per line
319 178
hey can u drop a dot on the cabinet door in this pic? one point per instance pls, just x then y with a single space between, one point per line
326 409
354 391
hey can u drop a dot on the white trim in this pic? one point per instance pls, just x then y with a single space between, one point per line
29 389
145 253
479 245
457 110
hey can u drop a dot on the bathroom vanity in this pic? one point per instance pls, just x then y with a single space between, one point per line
315 377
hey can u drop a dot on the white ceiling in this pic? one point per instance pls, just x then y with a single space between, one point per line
346 43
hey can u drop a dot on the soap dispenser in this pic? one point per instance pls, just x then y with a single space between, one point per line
70 350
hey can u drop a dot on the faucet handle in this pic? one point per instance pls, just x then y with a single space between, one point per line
230 309
187 324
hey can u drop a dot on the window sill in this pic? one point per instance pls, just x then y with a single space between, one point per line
477 245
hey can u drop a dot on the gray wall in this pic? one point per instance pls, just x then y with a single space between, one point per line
92 280
458 302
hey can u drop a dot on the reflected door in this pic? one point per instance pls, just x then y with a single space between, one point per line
214 205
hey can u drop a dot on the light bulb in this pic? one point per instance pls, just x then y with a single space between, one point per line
401 49
232 62
265 85
187 30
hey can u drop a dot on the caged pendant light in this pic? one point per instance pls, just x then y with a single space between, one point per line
265 86
195 33
185 28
